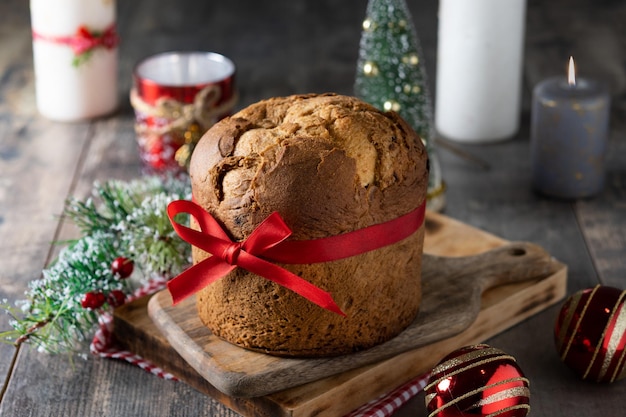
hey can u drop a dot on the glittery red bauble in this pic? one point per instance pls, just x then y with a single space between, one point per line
477 380
158 152
590 333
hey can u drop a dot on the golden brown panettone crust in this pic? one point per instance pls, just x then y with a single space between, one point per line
329 164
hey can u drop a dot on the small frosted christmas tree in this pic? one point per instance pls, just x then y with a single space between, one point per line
391 76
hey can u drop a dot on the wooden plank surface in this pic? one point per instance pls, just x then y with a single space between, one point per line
293 47
34 174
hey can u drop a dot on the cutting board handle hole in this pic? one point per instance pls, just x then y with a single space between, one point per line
517 251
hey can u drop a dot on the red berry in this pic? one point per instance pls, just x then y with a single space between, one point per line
93 300
116 298
122 267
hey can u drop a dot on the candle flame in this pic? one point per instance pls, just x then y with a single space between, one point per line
571 72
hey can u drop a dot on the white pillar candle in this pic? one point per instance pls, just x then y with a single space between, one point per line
479 69
70 83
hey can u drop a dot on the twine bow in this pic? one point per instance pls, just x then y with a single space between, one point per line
184 122
268 243
179 116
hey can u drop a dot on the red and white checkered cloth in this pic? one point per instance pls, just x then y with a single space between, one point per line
103 343
104 346
387 404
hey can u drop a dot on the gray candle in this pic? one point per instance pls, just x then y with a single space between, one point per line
568 137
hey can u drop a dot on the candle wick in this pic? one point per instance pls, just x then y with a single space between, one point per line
571 72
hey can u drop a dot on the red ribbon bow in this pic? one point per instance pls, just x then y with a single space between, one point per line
267 244
228 255
85 40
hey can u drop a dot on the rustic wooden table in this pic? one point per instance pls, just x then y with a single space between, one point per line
280 48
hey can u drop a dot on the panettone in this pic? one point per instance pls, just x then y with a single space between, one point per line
328 164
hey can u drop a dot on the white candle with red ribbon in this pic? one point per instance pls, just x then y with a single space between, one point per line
75 58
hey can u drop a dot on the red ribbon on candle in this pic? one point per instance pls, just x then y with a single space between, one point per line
268 244
84 40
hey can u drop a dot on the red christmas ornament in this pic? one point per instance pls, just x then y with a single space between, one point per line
590 333
116 298
477 380
122 267
93 300
158 152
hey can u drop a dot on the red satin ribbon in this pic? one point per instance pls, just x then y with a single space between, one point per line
268 244
84 40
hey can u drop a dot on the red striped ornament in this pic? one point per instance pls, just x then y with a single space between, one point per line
590 333
477 380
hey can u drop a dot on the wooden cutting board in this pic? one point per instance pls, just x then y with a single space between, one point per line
452 289
525 280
